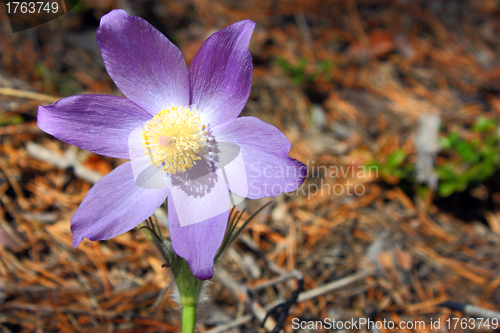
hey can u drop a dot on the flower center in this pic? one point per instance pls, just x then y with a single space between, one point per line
173 138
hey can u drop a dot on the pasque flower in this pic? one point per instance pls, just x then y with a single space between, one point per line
180 129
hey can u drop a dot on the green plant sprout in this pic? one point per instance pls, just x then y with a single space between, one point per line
299 72
463 160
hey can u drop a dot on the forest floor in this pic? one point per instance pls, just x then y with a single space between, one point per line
352 85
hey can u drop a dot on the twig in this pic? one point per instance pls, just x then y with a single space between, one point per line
303 296
283 309
30 127
52 309
239 321
334 285
28 95
235 323
471 310
255 249
263 285
241 293
69 159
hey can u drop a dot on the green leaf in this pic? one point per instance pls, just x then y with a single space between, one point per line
489 154
446 171
398 173
325 65
408 168
444 143
472 172
467 152
283 64
483 125
453 138
446 189
301 65
449 187
6 120
396 158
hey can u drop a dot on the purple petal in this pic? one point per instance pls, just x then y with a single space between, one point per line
268 170
221 74
114 205
99 123
198 243
142 62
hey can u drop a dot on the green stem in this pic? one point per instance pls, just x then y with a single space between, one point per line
189 286
189 290
188 318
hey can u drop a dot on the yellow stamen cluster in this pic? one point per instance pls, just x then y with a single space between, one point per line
173 138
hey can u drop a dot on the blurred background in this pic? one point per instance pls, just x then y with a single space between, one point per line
393 105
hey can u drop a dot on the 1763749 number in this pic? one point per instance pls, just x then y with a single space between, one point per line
14 7
472 323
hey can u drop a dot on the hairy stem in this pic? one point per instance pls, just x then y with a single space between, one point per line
188 285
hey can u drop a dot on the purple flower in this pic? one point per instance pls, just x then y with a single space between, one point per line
179 128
